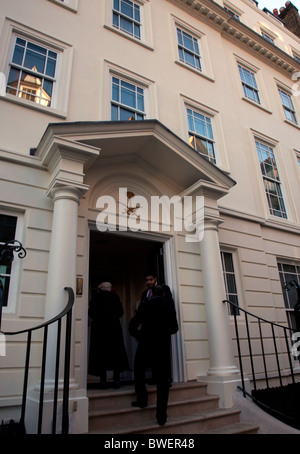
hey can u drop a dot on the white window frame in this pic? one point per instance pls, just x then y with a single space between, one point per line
206 66
211 140
268 35
296 56
219 138
16 263
295 263
195 53
289 92
290 109
235 12
273 146
120 105
296 158
36 93
146 37
263 104
132 20
64 52
253 88
237 274
150 97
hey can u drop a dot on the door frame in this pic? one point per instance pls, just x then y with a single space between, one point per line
170 271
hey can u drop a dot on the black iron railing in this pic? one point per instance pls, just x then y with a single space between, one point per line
268 354
278 336
67 312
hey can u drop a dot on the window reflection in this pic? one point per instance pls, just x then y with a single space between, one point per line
201 134
127 101
32 72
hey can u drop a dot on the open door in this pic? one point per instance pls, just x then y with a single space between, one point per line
123 260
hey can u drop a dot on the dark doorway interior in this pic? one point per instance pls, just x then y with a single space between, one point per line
123 260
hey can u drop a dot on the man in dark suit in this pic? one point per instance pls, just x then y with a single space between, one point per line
151 282
152 325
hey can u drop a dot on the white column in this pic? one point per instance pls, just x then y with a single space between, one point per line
61 268
222 371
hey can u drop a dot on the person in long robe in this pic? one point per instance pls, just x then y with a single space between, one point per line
107 349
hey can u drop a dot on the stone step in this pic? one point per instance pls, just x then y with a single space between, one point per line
189 424
234 429
105 419
110 398
190 411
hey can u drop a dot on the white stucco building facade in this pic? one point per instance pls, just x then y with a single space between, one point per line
216 113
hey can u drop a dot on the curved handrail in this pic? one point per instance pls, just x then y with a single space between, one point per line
69 305
246 339
67 311
257 317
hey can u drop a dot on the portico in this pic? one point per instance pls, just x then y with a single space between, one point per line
89 160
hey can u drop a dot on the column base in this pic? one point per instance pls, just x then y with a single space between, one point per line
50 385
78 412
224 386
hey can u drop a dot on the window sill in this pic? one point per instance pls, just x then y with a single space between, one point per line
281 223
131 38
194 70
295 125
34 106
253 103
64 5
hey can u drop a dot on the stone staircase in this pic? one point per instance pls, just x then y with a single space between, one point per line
190 411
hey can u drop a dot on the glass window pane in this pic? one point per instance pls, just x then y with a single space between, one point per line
188 42
189 58
116 20
231 286
115 90
179 36
137 32
198 65
7 228
128 95
114 113
13 78
126 25
51 65
137 15
4 289
140 101
125 114
18 54
35 60
47 92
127 8
228 262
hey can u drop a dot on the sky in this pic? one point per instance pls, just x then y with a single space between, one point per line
272 4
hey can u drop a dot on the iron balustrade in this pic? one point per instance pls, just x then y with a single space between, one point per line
282 401
67 312
286 334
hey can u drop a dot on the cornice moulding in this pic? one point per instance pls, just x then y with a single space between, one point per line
239 33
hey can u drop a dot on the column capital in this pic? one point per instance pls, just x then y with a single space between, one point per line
62 190
212 222
66 160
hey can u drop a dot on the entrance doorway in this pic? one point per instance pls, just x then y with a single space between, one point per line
123 260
